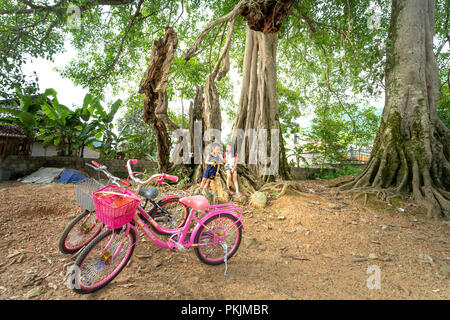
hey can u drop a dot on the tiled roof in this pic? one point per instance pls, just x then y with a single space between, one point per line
11 130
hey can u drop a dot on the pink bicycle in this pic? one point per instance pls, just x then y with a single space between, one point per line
168 211
215 238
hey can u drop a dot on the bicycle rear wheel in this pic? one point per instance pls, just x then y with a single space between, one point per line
172 216
96 267
81 230
220 228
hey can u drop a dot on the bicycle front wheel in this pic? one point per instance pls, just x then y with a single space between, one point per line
96 266
81 230
218 230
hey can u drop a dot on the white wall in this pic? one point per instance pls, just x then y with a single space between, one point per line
38 150
88 153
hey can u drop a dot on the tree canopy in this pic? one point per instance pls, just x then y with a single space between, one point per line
337 46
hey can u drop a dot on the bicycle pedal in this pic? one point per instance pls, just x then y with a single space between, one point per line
175 246
180 247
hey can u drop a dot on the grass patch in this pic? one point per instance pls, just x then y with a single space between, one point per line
347 171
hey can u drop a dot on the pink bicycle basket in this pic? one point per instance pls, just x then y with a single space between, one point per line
115 206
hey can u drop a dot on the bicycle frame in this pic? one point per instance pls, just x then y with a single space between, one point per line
180 243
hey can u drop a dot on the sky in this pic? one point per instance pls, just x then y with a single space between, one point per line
68 93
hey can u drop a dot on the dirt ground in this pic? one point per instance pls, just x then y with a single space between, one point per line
320 250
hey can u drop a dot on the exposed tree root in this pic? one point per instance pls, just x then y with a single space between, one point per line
381 195
281 187
435 201
341 183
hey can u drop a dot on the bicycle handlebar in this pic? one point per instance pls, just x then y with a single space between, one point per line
125 182
161 176
97 167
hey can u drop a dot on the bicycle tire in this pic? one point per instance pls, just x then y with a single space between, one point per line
62 243
153 211
233 250
111 276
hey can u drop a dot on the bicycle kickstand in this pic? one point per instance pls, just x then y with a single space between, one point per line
225 251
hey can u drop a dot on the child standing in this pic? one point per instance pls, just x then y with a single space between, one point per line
212 168
231 168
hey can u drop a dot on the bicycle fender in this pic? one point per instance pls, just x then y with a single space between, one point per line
209 215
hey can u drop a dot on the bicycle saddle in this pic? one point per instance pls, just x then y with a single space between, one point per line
148 193
195 202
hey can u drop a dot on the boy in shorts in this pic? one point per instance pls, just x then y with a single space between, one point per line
213 166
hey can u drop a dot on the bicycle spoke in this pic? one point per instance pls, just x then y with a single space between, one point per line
99 265
222 229
82 232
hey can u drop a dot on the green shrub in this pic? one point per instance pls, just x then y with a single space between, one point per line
347 171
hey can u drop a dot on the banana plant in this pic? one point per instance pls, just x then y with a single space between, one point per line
111 142
89 125
60 127
43 117
108 140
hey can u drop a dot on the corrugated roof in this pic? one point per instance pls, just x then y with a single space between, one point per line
43 175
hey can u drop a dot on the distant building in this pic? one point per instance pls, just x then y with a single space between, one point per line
306 158
12 140
362 155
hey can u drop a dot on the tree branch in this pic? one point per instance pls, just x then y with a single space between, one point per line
122 42
229 16
57 7
310 23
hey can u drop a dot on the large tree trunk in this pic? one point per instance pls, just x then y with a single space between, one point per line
411 152
265 16
154 86
258 106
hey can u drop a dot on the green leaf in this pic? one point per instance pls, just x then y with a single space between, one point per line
114 107
50 112
88 99
85 114
10 111
50 92
48 141
25 103
27 119
132 137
